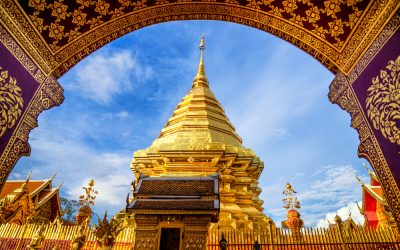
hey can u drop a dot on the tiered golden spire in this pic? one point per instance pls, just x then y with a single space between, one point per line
199 116
199 140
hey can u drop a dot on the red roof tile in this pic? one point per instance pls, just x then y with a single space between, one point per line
10 186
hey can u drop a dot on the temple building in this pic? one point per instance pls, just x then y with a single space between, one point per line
374 206
29 201
198 141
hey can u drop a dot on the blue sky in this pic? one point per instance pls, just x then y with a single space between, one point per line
119 98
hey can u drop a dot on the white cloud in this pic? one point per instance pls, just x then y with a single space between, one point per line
334 187
334 183
106 74
122 115
271 101
112 190
331 188
344 213
77 162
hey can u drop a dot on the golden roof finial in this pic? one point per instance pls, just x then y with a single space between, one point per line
290 201
24 186
89 196
200 79
360 181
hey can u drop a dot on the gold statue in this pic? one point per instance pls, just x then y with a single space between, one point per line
37 240
106 232
79 240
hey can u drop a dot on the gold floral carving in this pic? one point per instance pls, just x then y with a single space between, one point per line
11 102
383 102
385 34
48 94
101 11
341 93
348 29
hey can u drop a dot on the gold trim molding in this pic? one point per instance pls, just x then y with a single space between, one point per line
336 58
342 93
48 95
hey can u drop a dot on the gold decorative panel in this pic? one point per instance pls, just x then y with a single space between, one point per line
383 102
11 102
58 34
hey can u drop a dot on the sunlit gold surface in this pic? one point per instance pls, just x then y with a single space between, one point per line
24 205
199 140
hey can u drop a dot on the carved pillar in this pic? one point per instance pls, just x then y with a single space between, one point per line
26 91
195 234
370 93
146 232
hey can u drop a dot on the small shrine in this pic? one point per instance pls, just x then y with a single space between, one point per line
374 206
174 211
34 201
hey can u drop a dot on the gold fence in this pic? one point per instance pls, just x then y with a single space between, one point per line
18 237
309 238
14 236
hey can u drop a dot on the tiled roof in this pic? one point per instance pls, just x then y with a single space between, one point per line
160 204
378 191
46 194
10 186
189 186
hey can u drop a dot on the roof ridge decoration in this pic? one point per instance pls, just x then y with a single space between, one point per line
199 117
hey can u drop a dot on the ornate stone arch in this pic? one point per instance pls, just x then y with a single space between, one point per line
41 40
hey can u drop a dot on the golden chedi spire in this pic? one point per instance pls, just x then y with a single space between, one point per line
199 117
199 140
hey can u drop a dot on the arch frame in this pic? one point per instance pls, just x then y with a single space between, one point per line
58 60
380 22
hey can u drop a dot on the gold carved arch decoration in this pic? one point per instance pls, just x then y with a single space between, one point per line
58 34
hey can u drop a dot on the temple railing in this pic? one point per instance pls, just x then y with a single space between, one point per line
14 236
309 238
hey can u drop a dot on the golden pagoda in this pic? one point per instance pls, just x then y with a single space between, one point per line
199 140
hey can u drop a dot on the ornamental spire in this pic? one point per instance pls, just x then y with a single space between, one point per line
201 79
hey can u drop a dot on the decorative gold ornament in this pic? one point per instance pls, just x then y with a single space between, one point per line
383 102
85 201
291 203
11 101
107 231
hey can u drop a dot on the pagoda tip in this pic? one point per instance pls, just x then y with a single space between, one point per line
202 46
200 79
